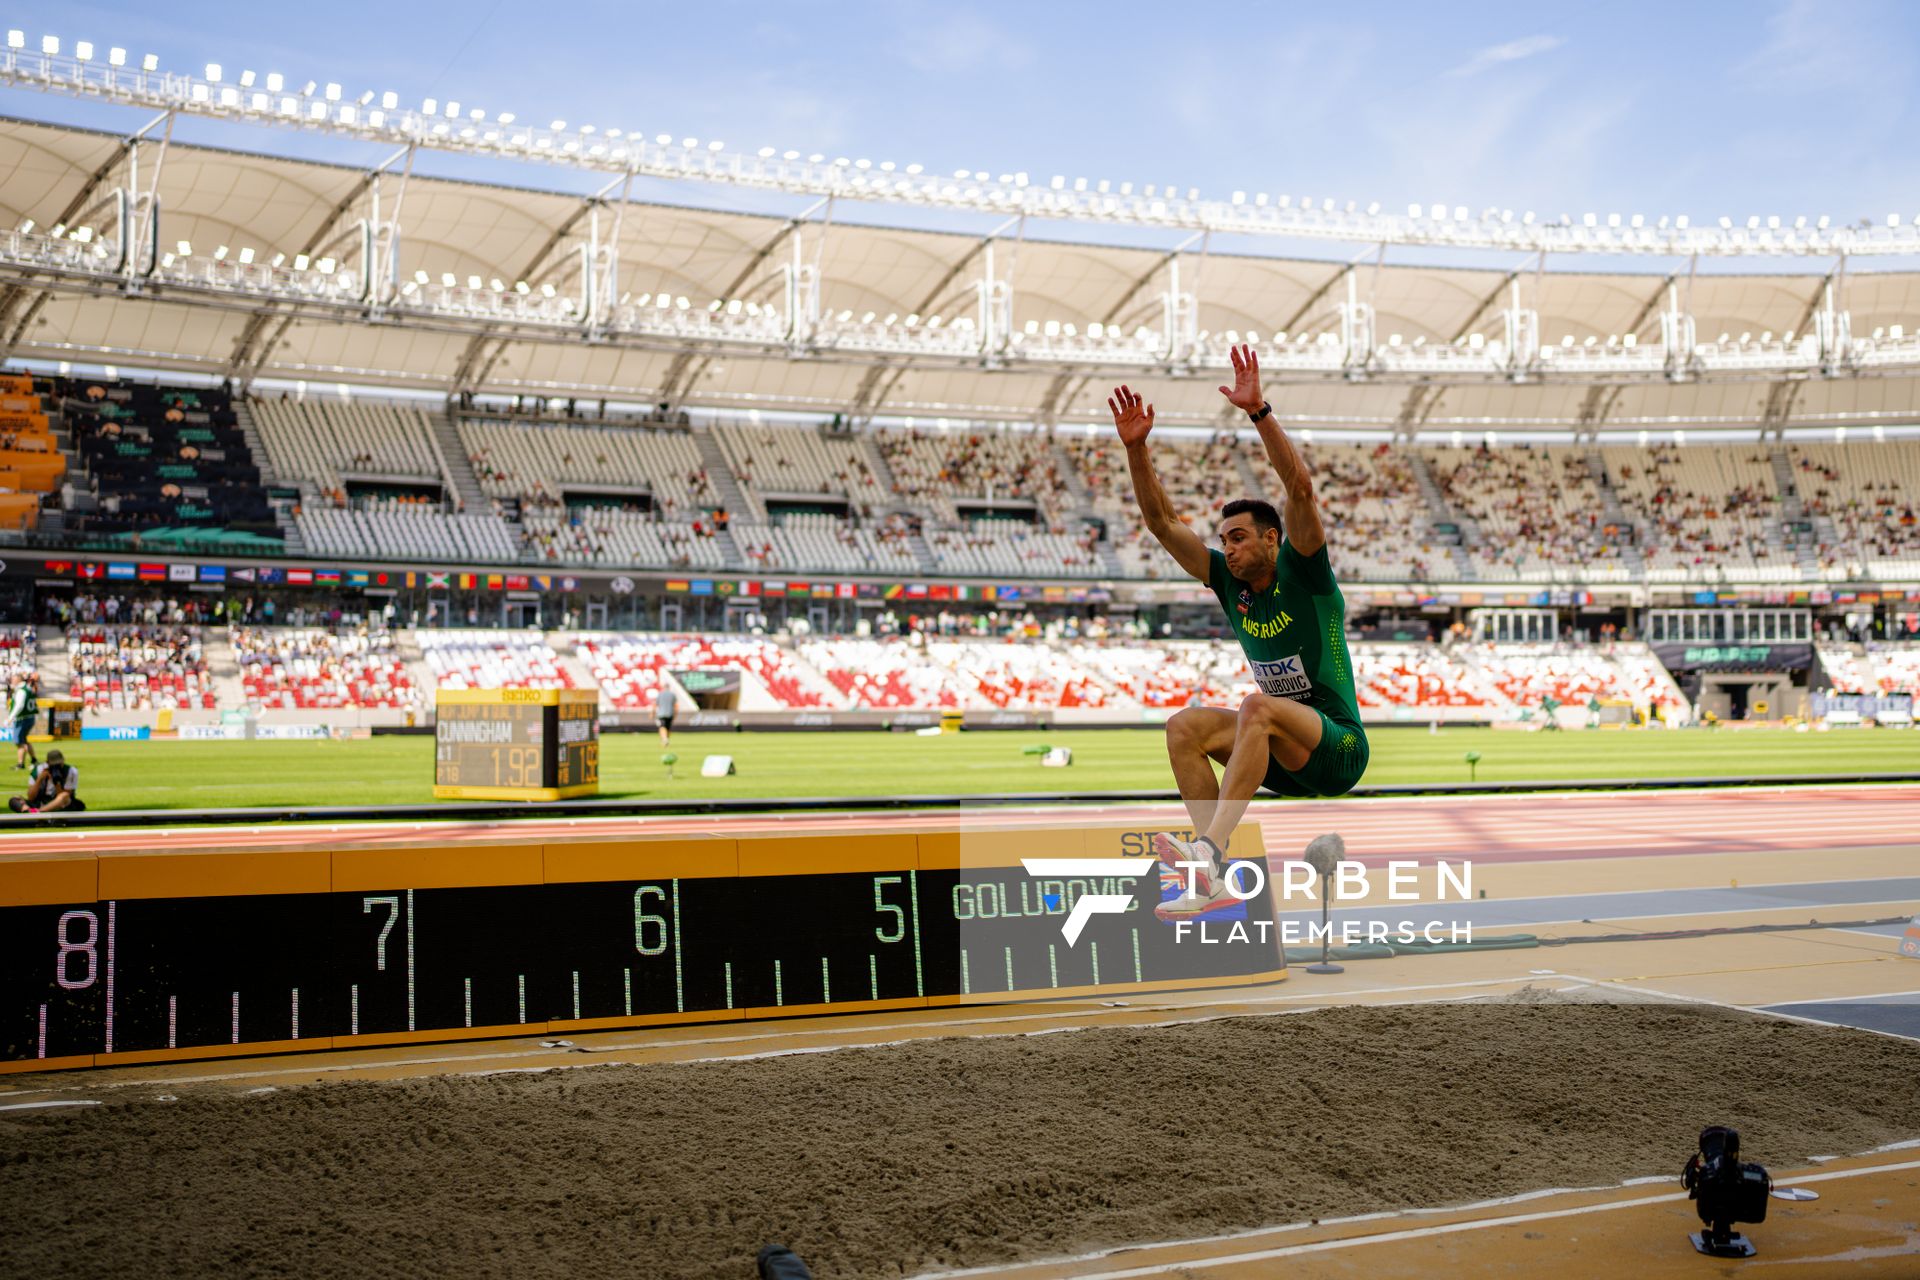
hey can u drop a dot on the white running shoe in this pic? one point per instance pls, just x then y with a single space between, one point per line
1208 889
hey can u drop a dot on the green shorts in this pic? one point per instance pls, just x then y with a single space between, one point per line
1333 769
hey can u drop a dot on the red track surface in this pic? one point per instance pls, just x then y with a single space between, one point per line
1493 828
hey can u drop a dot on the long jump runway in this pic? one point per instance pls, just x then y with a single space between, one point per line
1788 903
1486 828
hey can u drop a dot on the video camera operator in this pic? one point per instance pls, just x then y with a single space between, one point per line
53 789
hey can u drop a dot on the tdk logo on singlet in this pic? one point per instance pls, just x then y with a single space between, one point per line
1282 679
1268 629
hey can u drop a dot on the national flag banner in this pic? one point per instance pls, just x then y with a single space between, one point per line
517 582
569 584
726 587
467 582
750 587
773 587
823 591
678 584
989 593
965 591
917 590
940 591
91 571
893 592
799 588
1053 593
153 573
269 576
359 578
299 577
496 582
701 586
58 566
182 573
845 590
435 581
1077 594
213 573
543 581
122 571
327 577
1009 593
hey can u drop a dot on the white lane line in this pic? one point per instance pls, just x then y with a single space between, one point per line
32 1106
1385 1237
776 1030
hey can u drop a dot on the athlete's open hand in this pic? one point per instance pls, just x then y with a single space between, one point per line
1131 416
1245 391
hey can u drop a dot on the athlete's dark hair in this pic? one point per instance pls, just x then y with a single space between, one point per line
1264 516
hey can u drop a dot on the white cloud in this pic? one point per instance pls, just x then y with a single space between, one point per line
1511 51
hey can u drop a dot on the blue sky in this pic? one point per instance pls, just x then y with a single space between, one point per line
1704 109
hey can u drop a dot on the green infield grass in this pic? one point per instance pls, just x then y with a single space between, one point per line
166 774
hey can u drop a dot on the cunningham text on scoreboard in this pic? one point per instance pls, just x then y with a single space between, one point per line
516 744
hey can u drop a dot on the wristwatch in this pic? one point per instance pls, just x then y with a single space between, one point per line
1265 410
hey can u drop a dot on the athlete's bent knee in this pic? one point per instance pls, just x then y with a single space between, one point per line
1253 707
1186 728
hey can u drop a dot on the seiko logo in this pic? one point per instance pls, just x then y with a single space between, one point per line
812 718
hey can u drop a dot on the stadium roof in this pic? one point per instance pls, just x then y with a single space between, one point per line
1367 343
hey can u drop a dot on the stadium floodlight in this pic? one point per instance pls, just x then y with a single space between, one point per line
16 39
83 50
246 257
363 100
246 79
1726 223
275 82
507 117
150 63
213 72
915 169
220 254
420 277
447 279
184 248
50 45
1893 220
473 282
277 260
522 288
333 93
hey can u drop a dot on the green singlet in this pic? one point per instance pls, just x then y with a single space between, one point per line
1294 636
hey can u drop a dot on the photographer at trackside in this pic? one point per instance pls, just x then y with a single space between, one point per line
53 789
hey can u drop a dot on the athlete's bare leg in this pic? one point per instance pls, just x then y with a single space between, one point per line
1196 737
1265 728
1286 730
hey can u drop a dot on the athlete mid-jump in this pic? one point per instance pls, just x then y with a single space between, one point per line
1300 735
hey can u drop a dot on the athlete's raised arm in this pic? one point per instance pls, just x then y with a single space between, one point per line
1301 515
1133 420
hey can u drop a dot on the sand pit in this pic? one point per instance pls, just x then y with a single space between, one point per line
887 1162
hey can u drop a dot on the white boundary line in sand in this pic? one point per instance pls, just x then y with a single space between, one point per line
1410 1233
777 1030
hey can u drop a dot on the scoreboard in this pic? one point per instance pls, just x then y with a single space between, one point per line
142 957
516 744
